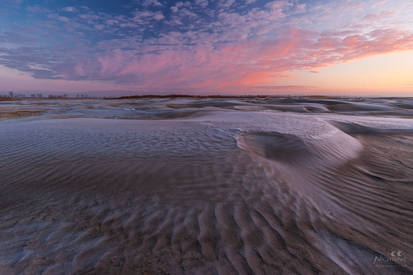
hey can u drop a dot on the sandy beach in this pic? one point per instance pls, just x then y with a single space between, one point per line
207 186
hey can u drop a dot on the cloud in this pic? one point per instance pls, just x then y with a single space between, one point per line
202 3
196 45
59 17
152 3
158 16
251 63
69 9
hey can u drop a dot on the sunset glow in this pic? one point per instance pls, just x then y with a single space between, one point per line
206 47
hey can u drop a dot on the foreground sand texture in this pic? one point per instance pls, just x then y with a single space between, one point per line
207 186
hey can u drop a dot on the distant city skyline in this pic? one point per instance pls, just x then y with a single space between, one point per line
115 48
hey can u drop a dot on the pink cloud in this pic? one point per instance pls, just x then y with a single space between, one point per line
250 63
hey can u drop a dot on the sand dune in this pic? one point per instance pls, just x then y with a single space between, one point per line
199 186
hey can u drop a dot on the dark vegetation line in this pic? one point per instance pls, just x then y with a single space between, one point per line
7 98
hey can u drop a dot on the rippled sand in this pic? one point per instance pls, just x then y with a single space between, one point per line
207 186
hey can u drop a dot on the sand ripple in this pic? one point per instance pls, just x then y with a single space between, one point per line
229 192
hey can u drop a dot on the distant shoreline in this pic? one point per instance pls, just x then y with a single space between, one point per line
190 96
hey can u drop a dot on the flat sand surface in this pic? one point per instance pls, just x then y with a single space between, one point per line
206 186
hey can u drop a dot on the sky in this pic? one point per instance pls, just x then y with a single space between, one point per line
124 47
